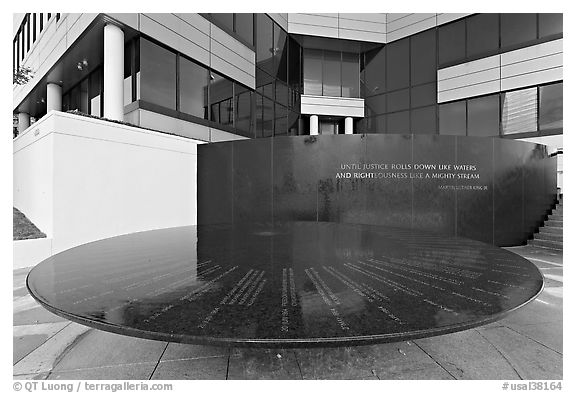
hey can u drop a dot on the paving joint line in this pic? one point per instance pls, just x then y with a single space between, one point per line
158 362
435 361
501 353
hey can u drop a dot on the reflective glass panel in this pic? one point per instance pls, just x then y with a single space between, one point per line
294 74
452 42
280 120
94 95
423 120
519 111
484 116
280 54
452 118
243 112
245 27
482 34
264 44
313 71
551 107
193 88
423 95
397 64
517 29
375 105
398 100
398 123
157 75
221 102
268 117
549 24
331 74
350 75
423 57
374 76
224 20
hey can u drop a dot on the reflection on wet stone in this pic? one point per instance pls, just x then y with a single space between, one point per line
284 284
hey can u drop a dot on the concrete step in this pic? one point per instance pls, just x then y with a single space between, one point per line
554 224
549 236
546 244
555 218
551 230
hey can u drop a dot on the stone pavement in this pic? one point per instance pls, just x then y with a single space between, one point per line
525 345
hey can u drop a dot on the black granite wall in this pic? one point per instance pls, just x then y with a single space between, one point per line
512 188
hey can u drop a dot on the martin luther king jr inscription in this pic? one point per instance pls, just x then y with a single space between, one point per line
490 189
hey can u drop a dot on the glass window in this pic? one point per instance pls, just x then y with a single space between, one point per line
350 75
245 27
452 42
377 125
267 117
551 107
375 105
331 74
549 24
423 120
482 34
452 118
484 116
265 84
193 89
264 44
224 20
397 64
313 72
294 126
83 97
517 29
294 74
398 100
243 110
282 93
258 116
280 120
519 113
423 57
221 104
280 54
158 75
374 78
94 96
128 63
398 123
423 95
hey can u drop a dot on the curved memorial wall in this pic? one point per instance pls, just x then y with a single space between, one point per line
494 190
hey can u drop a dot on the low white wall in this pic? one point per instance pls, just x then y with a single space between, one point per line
106 179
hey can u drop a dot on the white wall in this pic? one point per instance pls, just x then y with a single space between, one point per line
107 179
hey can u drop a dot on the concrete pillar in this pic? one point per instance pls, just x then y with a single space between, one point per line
113 72
348 125
53 97
23 121
314 125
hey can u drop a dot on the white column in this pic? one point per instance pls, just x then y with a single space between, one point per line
53 97
348 125
23 121
113 72
314 125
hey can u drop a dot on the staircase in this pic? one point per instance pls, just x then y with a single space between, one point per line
550 235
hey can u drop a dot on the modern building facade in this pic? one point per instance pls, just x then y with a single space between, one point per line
215 77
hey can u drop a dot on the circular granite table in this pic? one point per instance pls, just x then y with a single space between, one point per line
284 285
